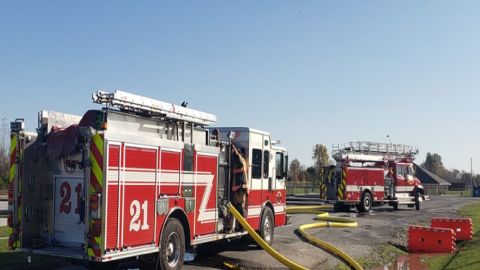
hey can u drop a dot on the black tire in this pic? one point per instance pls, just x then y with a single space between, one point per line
395 206
172 246
148 261
267 226
365 203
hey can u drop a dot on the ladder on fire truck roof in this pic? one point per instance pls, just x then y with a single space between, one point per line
373 151
144 105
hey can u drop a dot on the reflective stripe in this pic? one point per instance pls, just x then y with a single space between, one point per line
15 156
13 167
96 170
98 140
343 185
13 144
96 156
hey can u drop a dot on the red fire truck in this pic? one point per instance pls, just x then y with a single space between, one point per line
370 174
139 177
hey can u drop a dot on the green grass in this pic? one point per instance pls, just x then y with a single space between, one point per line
303 191
383 255
3 231
468 254
458 193
3 242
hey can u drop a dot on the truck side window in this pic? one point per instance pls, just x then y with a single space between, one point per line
411 171
266 164
256 163
279 165
188 157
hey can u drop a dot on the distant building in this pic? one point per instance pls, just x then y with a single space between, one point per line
432 183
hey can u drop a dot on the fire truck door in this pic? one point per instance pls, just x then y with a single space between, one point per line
332 184
267 168
68 229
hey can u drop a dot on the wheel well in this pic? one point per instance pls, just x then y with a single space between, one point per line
368 191
269 205
180 215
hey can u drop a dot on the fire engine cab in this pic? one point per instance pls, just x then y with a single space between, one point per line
370 174
139 177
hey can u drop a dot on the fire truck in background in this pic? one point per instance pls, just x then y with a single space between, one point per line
139 177
370 174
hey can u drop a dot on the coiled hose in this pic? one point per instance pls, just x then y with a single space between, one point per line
325 221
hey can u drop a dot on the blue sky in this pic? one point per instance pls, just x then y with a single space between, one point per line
307 71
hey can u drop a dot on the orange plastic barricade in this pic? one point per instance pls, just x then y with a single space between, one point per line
463 227
430 240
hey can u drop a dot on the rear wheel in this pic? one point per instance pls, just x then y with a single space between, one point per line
365 203
267 226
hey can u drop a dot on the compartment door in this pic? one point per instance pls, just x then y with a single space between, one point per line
68 230
139 178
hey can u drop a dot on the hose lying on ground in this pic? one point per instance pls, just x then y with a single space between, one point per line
322 216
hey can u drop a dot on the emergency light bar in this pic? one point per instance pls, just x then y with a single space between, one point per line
136 103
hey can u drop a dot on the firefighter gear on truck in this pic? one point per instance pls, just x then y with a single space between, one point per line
240 182
389 181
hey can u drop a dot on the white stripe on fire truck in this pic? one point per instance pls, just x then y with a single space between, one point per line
354 188
404 188
279 209
112 177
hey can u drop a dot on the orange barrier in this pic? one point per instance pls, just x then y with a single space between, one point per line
463 227
430 240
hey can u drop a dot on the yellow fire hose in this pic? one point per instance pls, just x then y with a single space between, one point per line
322 216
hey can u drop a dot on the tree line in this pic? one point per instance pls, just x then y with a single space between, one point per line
299 172
433 162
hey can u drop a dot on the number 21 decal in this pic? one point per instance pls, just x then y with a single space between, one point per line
135 211
66 194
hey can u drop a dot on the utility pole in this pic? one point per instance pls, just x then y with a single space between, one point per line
471 173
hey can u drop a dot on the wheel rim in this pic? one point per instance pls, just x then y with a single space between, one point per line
173 249
267 229
367 202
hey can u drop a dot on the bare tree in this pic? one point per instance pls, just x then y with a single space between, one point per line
320 157
294 170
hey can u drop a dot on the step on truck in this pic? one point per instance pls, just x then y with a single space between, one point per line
368 174
138 177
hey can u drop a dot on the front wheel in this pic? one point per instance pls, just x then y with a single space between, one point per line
267 226
418 200
395 206
172 246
